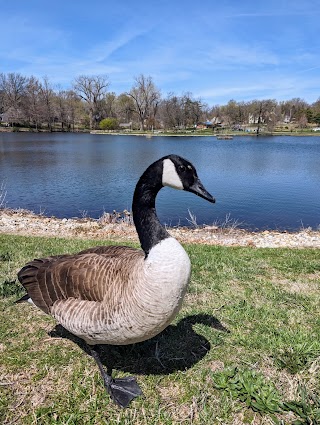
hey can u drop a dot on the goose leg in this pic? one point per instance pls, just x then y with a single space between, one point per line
121 390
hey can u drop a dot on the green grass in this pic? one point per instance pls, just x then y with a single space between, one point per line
245 347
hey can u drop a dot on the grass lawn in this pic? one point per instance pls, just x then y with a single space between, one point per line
245 348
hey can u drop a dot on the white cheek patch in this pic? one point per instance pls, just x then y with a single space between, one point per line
170 176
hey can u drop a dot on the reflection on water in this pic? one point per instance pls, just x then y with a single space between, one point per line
267 182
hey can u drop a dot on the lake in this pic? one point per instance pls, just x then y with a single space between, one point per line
259 183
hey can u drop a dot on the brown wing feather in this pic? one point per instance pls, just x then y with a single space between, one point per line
112 250
86 276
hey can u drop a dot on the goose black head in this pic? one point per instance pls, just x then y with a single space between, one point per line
181 174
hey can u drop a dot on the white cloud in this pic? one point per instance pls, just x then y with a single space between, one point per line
224 55
279 88
242 49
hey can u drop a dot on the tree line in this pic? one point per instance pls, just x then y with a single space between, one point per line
88 104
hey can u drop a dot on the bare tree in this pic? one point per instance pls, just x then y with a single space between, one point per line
146 98
61 108
74 109
12 87
125 108
315 111
294 109
47 96
303 121
172 112
263 113
231 113
1 101
216 115
109 105
192 110
234 113
32 102
92 89
182 111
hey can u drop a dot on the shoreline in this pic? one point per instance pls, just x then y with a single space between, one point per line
206 134
149 134
26 223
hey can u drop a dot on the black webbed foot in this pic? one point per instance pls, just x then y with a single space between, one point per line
121 390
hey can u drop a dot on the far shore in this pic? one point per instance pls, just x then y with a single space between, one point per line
149 133
26 223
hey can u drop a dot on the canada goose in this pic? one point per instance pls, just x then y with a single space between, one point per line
116 294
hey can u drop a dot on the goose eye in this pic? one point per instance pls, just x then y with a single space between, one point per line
182 167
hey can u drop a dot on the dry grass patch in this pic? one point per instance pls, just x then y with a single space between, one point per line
308 286
27 392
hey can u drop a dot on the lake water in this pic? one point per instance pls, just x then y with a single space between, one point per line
260 183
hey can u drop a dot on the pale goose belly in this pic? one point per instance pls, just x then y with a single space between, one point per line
144 307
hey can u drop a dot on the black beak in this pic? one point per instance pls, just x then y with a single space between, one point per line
198 189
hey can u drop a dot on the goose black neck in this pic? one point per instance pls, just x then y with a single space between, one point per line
149 228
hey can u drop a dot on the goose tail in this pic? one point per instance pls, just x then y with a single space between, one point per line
28 277
23 299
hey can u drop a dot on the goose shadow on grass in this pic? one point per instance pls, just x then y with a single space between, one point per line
176 348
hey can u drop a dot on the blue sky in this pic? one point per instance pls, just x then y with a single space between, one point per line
217 50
